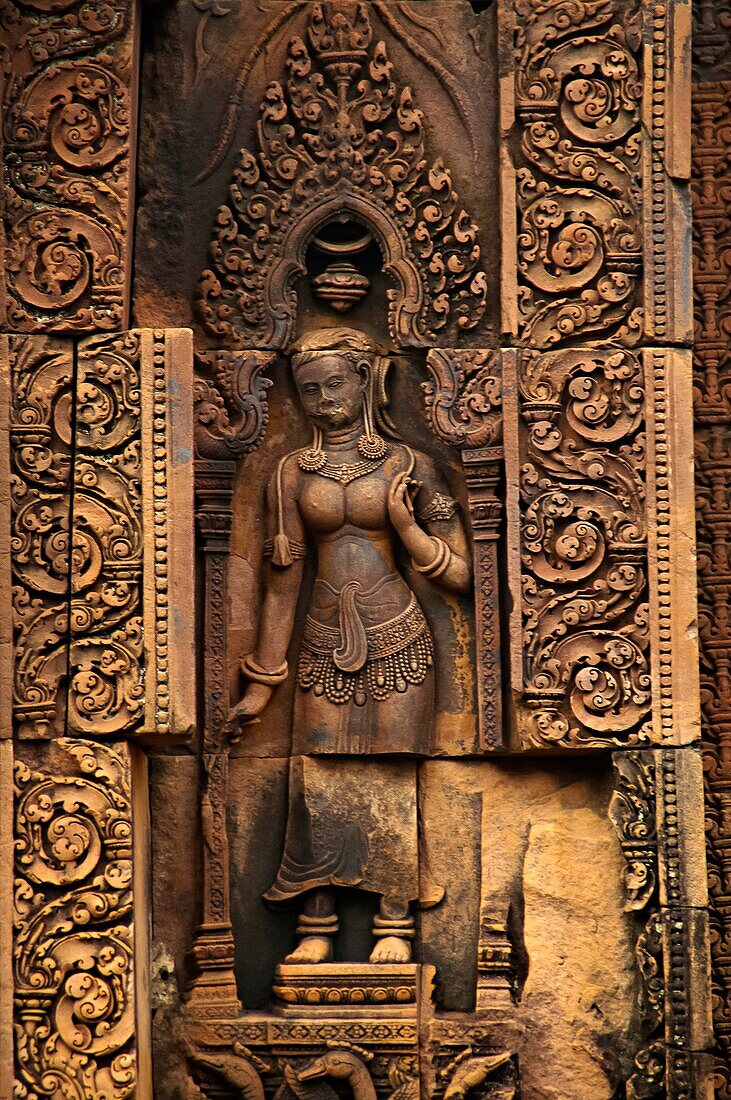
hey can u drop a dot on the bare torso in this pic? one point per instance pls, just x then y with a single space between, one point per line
351 527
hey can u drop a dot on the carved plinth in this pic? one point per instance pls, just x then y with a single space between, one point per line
213 989
346 988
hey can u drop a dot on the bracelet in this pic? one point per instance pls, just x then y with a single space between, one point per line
259 675
441 561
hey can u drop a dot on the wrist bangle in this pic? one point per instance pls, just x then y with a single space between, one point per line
270 677
441 561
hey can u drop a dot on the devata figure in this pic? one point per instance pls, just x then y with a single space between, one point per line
364 706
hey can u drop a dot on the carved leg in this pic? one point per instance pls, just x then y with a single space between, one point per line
393 930
317 925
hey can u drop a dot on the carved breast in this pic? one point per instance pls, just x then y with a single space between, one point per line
327 505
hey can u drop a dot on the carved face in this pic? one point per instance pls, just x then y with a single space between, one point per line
331 391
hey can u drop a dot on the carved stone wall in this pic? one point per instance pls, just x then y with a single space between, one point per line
97 606
712 282
488 604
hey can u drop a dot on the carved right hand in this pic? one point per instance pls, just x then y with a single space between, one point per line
254 699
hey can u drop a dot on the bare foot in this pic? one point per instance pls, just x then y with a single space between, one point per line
391 949
312 949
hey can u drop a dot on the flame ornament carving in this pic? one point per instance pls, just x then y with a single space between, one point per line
339 135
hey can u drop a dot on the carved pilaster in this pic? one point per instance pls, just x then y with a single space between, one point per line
464 408
655 809
132 633
69 120
230 418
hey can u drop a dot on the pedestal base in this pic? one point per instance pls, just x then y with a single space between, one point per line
346 988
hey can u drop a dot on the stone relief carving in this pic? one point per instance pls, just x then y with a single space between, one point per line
579 441
584 547
712 429
578 97
133 483
94 642
66 109
40 372
75 931
338 134
671 943
463 401
365 681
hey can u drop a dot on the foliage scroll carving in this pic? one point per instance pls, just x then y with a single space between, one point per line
40 371
230 403
132 536
66 111
578 172
74 928
584 548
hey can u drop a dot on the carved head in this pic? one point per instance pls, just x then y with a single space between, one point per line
340 375
340 1064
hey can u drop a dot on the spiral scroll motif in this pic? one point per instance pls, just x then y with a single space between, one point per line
74 936
584 548
41 372
106 679
66 156
578 173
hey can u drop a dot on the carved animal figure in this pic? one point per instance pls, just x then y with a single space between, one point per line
310 1083
238 1069
473 1072
405 1084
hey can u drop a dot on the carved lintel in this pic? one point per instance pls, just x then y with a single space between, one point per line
79 948
70 79
132 628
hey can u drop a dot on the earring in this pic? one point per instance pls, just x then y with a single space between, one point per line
313 458
370 444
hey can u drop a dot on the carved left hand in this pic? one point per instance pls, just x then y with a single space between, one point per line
401 495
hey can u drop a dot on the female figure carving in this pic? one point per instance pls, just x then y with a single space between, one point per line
364 704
